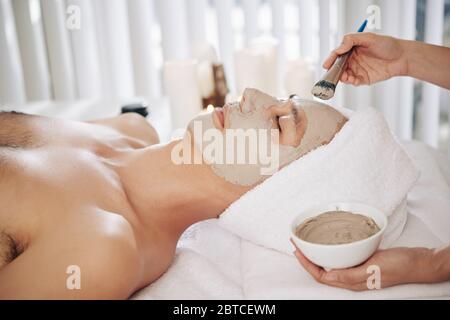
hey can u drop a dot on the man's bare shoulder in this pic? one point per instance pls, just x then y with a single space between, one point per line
114 264
132 125
80 265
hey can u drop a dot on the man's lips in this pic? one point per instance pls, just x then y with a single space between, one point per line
220 116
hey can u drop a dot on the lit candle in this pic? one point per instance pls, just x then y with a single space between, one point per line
204 52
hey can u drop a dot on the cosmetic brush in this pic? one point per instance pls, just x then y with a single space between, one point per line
324 89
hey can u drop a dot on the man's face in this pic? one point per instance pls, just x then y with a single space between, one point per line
277 131
256 110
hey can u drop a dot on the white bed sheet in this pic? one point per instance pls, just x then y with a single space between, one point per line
212 263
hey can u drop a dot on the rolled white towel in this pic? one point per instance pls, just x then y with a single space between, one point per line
363 163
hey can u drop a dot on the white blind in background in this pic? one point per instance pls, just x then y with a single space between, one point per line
12 87
406 104
112 54
33 51
306 9
387 93
141 17
172 20
59 50
114 48
196 20
226 36
85 52
428 119
251 27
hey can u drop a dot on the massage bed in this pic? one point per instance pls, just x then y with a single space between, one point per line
212 262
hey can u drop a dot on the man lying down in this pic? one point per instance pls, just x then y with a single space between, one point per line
106 202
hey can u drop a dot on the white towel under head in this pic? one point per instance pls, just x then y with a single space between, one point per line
363 163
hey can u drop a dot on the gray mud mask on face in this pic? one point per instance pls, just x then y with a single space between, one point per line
259 155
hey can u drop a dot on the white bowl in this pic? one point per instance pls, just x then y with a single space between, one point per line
338 256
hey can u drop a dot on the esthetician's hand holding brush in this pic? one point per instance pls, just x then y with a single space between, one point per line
376 58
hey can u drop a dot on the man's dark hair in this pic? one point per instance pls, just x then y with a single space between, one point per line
9 250
14 132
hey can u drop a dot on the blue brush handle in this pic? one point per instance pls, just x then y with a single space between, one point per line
363 26
342 60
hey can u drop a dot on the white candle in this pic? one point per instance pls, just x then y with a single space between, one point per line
204 52
206 55
205 76
256 66
182 87
299 78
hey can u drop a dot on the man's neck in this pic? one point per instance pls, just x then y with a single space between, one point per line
172 197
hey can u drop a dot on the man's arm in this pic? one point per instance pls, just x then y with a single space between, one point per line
428 62
106 268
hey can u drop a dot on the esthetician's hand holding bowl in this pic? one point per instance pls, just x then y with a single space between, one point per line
397 266
350 261
338 235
